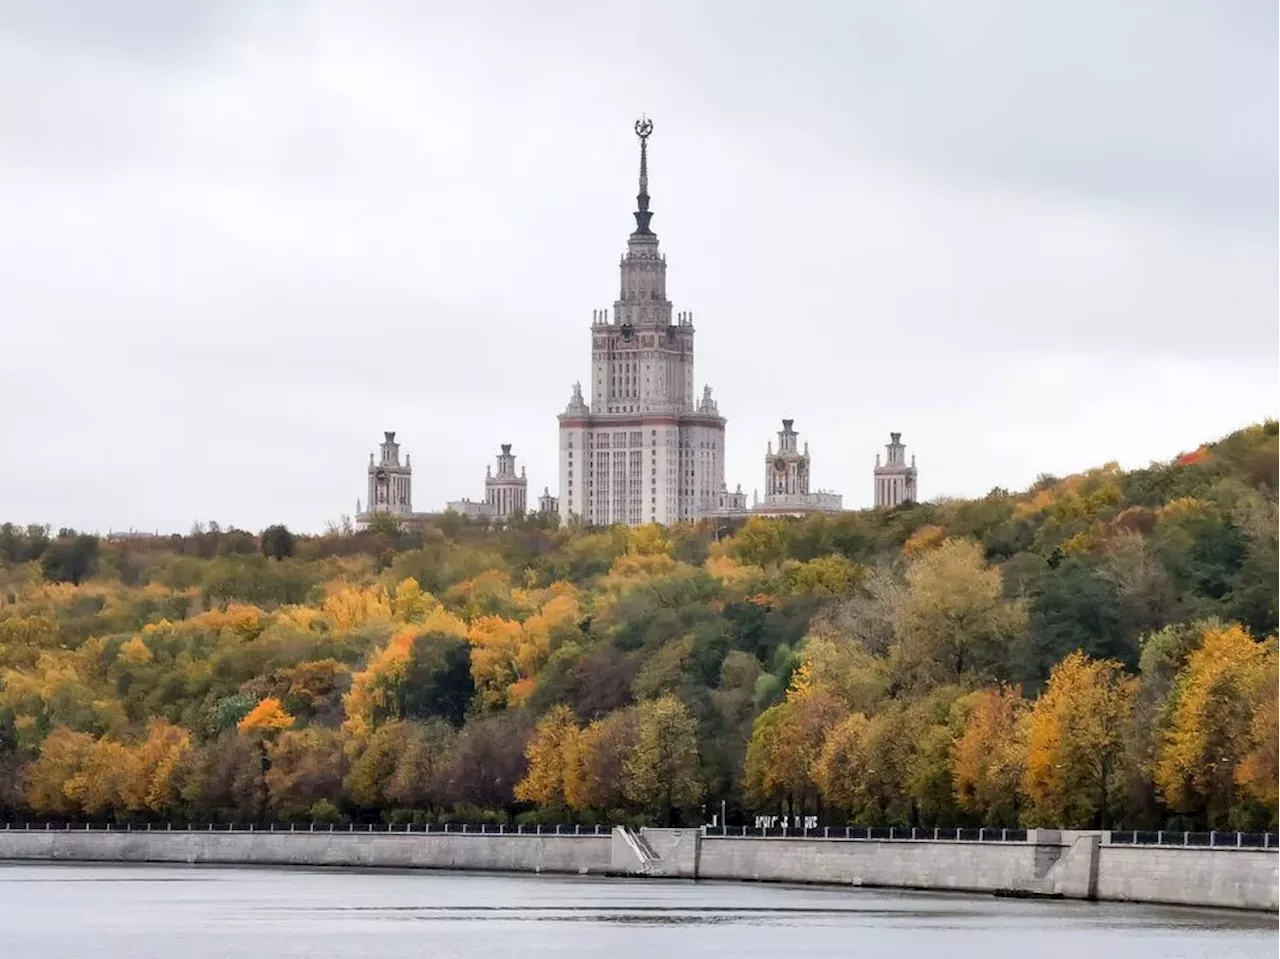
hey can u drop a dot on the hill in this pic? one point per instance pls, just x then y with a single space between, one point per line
1099 649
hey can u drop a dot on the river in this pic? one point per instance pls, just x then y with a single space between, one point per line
60 911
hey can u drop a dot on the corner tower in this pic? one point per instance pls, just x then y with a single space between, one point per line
506 493
645 449
895 480
390 483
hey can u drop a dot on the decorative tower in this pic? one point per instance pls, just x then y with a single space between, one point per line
505 493
390 486
548 504
644 450
895 480
787 480
786 472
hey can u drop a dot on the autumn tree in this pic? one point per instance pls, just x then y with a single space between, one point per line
265 719
873 767
149 783
760 542
552 752
953 618
50 789
306 771
785 746
840 769
375 765
989 754
1076 744
1216 698
420 780
598 779
488 761
263 725
662 771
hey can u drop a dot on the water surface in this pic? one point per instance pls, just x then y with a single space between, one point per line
159 912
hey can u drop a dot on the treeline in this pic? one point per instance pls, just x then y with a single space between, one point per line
1099 650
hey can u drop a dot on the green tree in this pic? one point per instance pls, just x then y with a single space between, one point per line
662 772
277 542
71 558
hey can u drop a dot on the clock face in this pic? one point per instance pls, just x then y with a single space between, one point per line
780 465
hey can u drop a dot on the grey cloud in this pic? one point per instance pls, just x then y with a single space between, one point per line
245 238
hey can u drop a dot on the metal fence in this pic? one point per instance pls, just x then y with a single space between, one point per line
1238 840
1216 840
870 832
472 829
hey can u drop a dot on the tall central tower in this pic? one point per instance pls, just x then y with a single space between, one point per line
644 450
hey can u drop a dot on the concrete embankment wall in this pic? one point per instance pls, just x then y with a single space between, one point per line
1235 878
1074 865
509 853
970 867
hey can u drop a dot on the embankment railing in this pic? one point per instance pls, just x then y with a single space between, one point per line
1239 840
453 829
878 833
1211 839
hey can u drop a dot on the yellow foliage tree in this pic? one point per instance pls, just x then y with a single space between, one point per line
149 783
495 658
662 771
134 652
62 754
411 602
98 784
1216 697
245 620
953 617
352 606
839 768
1076 744
828 575
650 540
845 669
552 752
760 542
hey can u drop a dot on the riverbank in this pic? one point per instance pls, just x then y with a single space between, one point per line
1050 863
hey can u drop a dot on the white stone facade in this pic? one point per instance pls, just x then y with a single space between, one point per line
787 477
644 450
895 481
548 504
389 486
505 492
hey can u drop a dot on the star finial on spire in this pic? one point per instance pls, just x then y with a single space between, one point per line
644 128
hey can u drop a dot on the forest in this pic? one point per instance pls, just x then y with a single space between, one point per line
1096 651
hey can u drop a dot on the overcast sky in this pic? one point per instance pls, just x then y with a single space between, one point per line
239 240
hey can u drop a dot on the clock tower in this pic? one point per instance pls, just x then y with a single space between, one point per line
390 487
641 446
786 472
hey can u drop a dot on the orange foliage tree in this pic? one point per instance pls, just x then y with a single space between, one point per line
989 755
1076 744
